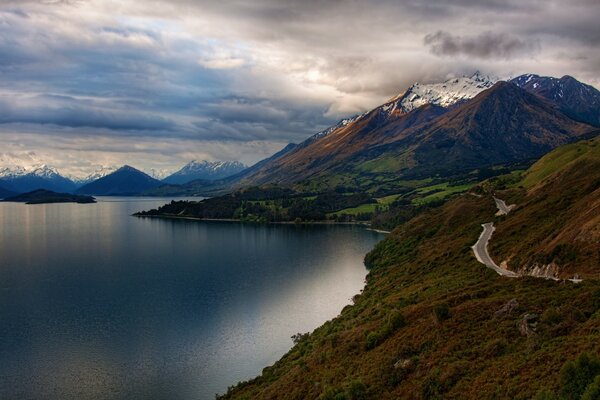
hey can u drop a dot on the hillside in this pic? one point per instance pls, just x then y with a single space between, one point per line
562 195
433 323
125 181
500 125
5 192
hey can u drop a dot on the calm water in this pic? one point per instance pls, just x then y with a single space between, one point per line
95 304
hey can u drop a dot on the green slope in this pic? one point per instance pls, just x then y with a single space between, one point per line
433 323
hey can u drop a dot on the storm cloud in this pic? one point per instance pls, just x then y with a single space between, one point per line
154 84
484 45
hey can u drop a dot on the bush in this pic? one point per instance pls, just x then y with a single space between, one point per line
442 313
545 394
372 340
592 392
356 391
575 376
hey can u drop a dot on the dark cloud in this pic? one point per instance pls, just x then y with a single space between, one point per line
485 45
238 79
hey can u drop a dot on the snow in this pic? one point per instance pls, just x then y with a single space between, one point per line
443 94
43 171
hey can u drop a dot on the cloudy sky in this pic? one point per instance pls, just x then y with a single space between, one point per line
156 83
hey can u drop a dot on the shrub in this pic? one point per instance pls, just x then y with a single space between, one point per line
592 392
441 312
356 391
545 394
372 340
576 375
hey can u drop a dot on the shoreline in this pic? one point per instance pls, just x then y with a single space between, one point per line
232 220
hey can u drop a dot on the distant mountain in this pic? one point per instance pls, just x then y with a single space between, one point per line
125 181
22 180
205 170
5 191
100 172
501 124
577 100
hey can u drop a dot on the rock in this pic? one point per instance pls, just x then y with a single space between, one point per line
508 308
528 324
403 363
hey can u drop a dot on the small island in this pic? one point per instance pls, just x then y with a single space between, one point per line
42 196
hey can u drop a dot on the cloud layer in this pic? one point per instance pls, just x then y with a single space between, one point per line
154 84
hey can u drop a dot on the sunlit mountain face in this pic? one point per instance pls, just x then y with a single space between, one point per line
109 83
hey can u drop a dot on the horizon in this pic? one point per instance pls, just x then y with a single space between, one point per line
92 83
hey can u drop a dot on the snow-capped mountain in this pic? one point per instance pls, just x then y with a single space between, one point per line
22 179
159 174
442 94
205 170
576 99
125 181
100 172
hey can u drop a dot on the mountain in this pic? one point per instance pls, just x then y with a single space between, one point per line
576 99
501 124
100 172
434 323
5 191
444 94
22 180
205 170
123 182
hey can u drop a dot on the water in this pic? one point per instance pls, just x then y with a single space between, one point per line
96 304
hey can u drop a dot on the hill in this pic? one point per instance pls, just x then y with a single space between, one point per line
42 196
205 170
125 181
432 322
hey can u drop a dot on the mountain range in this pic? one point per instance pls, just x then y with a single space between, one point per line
20 180
448 129
442 129
206 170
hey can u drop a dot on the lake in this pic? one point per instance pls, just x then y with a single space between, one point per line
96 304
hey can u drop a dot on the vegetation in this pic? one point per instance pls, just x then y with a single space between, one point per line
42 196
434 323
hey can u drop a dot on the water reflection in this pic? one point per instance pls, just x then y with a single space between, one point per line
95 304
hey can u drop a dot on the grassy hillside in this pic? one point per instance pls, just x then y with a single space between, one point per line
433 323
556 224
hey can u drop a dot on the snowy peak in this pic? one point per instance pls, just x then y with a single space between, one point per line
576 99
205 170
41 171
100 172
443 94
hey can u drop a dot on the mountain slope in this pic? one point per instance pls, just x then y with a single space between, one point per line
563 198
5 191
124 181
434 323
577 100
503 124
206 170
21 180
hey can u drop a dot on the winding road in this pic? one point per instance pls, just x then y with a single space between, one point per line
503 209
481 251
